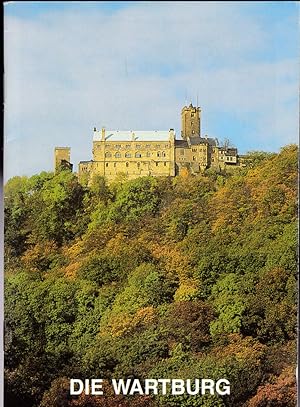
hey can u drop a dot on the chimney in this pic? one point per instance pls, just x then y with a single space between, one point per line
103 134
171 135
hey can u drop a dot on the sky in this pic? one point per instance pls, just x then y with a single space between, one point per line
73 66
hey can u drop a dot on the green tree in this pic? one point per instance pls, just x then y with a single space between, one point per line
229 303
135 199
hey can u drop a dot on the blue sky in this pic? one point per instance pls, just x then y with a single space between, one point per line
70 66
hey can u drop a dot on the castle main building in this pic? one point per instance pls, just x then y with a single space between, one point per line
156 153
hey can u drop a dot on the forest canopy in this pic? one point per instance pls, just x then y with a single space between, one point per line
185 277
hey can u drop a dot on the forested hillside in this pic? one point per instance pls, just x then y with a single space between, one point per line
186 277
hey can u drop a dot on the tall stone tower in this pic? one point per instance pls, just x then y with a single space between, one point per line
62 159
190 122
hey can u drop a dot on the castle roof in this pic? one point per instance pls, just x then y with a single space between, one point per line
181 143
195 141
139 135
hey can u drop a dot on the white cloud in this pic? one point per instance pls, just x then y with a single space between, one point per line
68 71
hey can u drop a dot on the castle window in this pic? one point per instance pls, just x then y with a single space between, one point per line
127 155
156 164
163 154
138 165
127 164
117 155
115 164
165 164
147 145
118 146
106 164
166 145
193 130
138 155
158 154
157 145
107 155
194 158
192 115
138 146
127 146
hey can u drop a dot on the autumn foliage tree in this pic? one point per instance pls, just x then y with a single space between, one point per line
185 277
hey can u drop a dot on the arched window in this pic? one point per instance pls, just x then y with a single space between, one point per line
158 154
127 164
128 155
138 155
118 155
107 155
138 165
163 154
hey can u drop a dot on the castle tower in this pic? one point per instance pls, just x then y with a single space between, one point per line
62 159
190 122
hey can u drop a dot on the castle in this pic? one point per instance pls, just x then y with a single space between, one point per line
156 153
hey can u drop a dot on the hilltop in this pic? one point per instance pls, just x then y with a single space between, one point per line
166 277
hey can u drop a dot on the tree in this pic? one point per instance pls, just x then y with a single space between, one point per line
229 304
281 393
187 322
53 209
135 199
